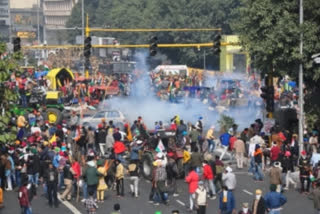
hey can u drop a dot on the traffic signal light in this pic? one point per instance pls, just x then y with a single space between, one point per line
264 92
216 44
16 44
153 46
87 47
268 95
270 100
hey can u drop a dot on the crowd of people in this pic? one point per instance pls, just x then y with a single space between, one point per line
67 158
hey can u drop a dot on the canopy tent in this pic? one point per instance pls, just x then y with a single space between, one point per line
58 76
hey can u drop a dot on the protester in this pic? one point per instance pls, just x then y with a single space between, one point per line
274 200
102 186
239 148
229 179
133 169
226 201
119 178
51 179
201 198
245 209
90 204
24 199
258 205
208 177
192 179
275 175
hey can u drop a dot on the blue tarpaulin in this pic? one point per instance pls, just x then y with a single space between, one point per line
40 74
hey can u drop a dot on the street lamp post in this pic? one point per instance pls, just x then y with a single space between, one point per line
301 111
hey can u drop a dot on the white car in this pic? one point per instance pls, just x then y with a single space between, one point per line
116 116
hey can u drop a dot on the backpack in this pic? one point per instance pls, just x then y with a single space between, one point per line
161 174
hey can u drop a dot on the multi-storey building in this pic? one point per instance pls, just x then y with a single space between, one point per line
4 20
56 14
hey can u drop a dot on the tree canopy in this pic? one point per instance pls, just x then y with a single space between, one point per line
8 94
161 14
270 31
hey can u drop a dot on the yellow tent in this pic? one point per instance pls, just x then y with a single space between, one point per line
57 77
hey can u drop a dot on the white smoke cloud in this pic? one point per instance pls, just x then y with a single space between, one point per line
143 102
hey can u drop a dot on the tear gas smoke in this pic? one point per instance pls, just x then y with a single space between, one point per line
143 102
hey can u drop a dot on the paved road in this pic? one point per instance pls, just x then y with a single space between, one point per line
297 203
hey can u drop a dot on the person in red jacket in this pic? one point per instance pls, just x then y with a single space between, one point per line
274 153
24 199
119 148
77 173
192 179
208 179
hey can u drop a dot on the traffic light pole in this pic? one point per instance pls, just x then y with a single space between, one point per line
301 118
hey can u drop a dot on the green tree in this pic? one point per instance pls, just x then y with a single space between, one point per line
8 96
270 31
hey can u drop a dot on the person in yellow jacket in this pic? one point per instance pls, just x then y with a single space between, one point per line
102 186
186 161
119 178
210 138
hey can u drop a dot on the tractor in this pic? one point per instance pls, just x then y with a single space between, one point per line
149 152
52 100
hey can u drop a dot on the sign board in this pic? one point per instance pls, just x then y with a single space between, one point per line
268 124
26 35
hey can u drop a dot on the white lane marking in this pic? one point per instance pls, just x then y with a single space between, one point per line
69 206
246 191
180 202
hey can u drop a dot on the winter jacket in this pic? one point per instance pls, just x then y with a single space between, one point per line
119 147
207 172
119 171
287 165
274 153
224 139
134 154
23 196
275 175
192 179
229 179
36 164
67 174
51 176
196 159
101 136
229 205
76 169
91 175
274 200
56 160
261 207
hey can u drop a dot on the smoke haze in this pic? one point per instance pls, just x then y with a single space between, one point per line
143 102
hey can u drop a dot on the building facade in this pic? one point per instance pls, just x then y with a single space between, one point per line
4 20
56 14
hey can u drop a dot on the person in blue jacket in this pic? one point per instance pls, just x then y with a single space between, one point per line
274 200
224 140
227 201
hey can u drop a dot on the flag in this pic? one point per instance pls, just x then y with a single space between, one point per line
45 67
160 147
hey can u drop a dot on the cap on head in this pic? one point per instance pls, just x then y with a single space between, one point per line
229 169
